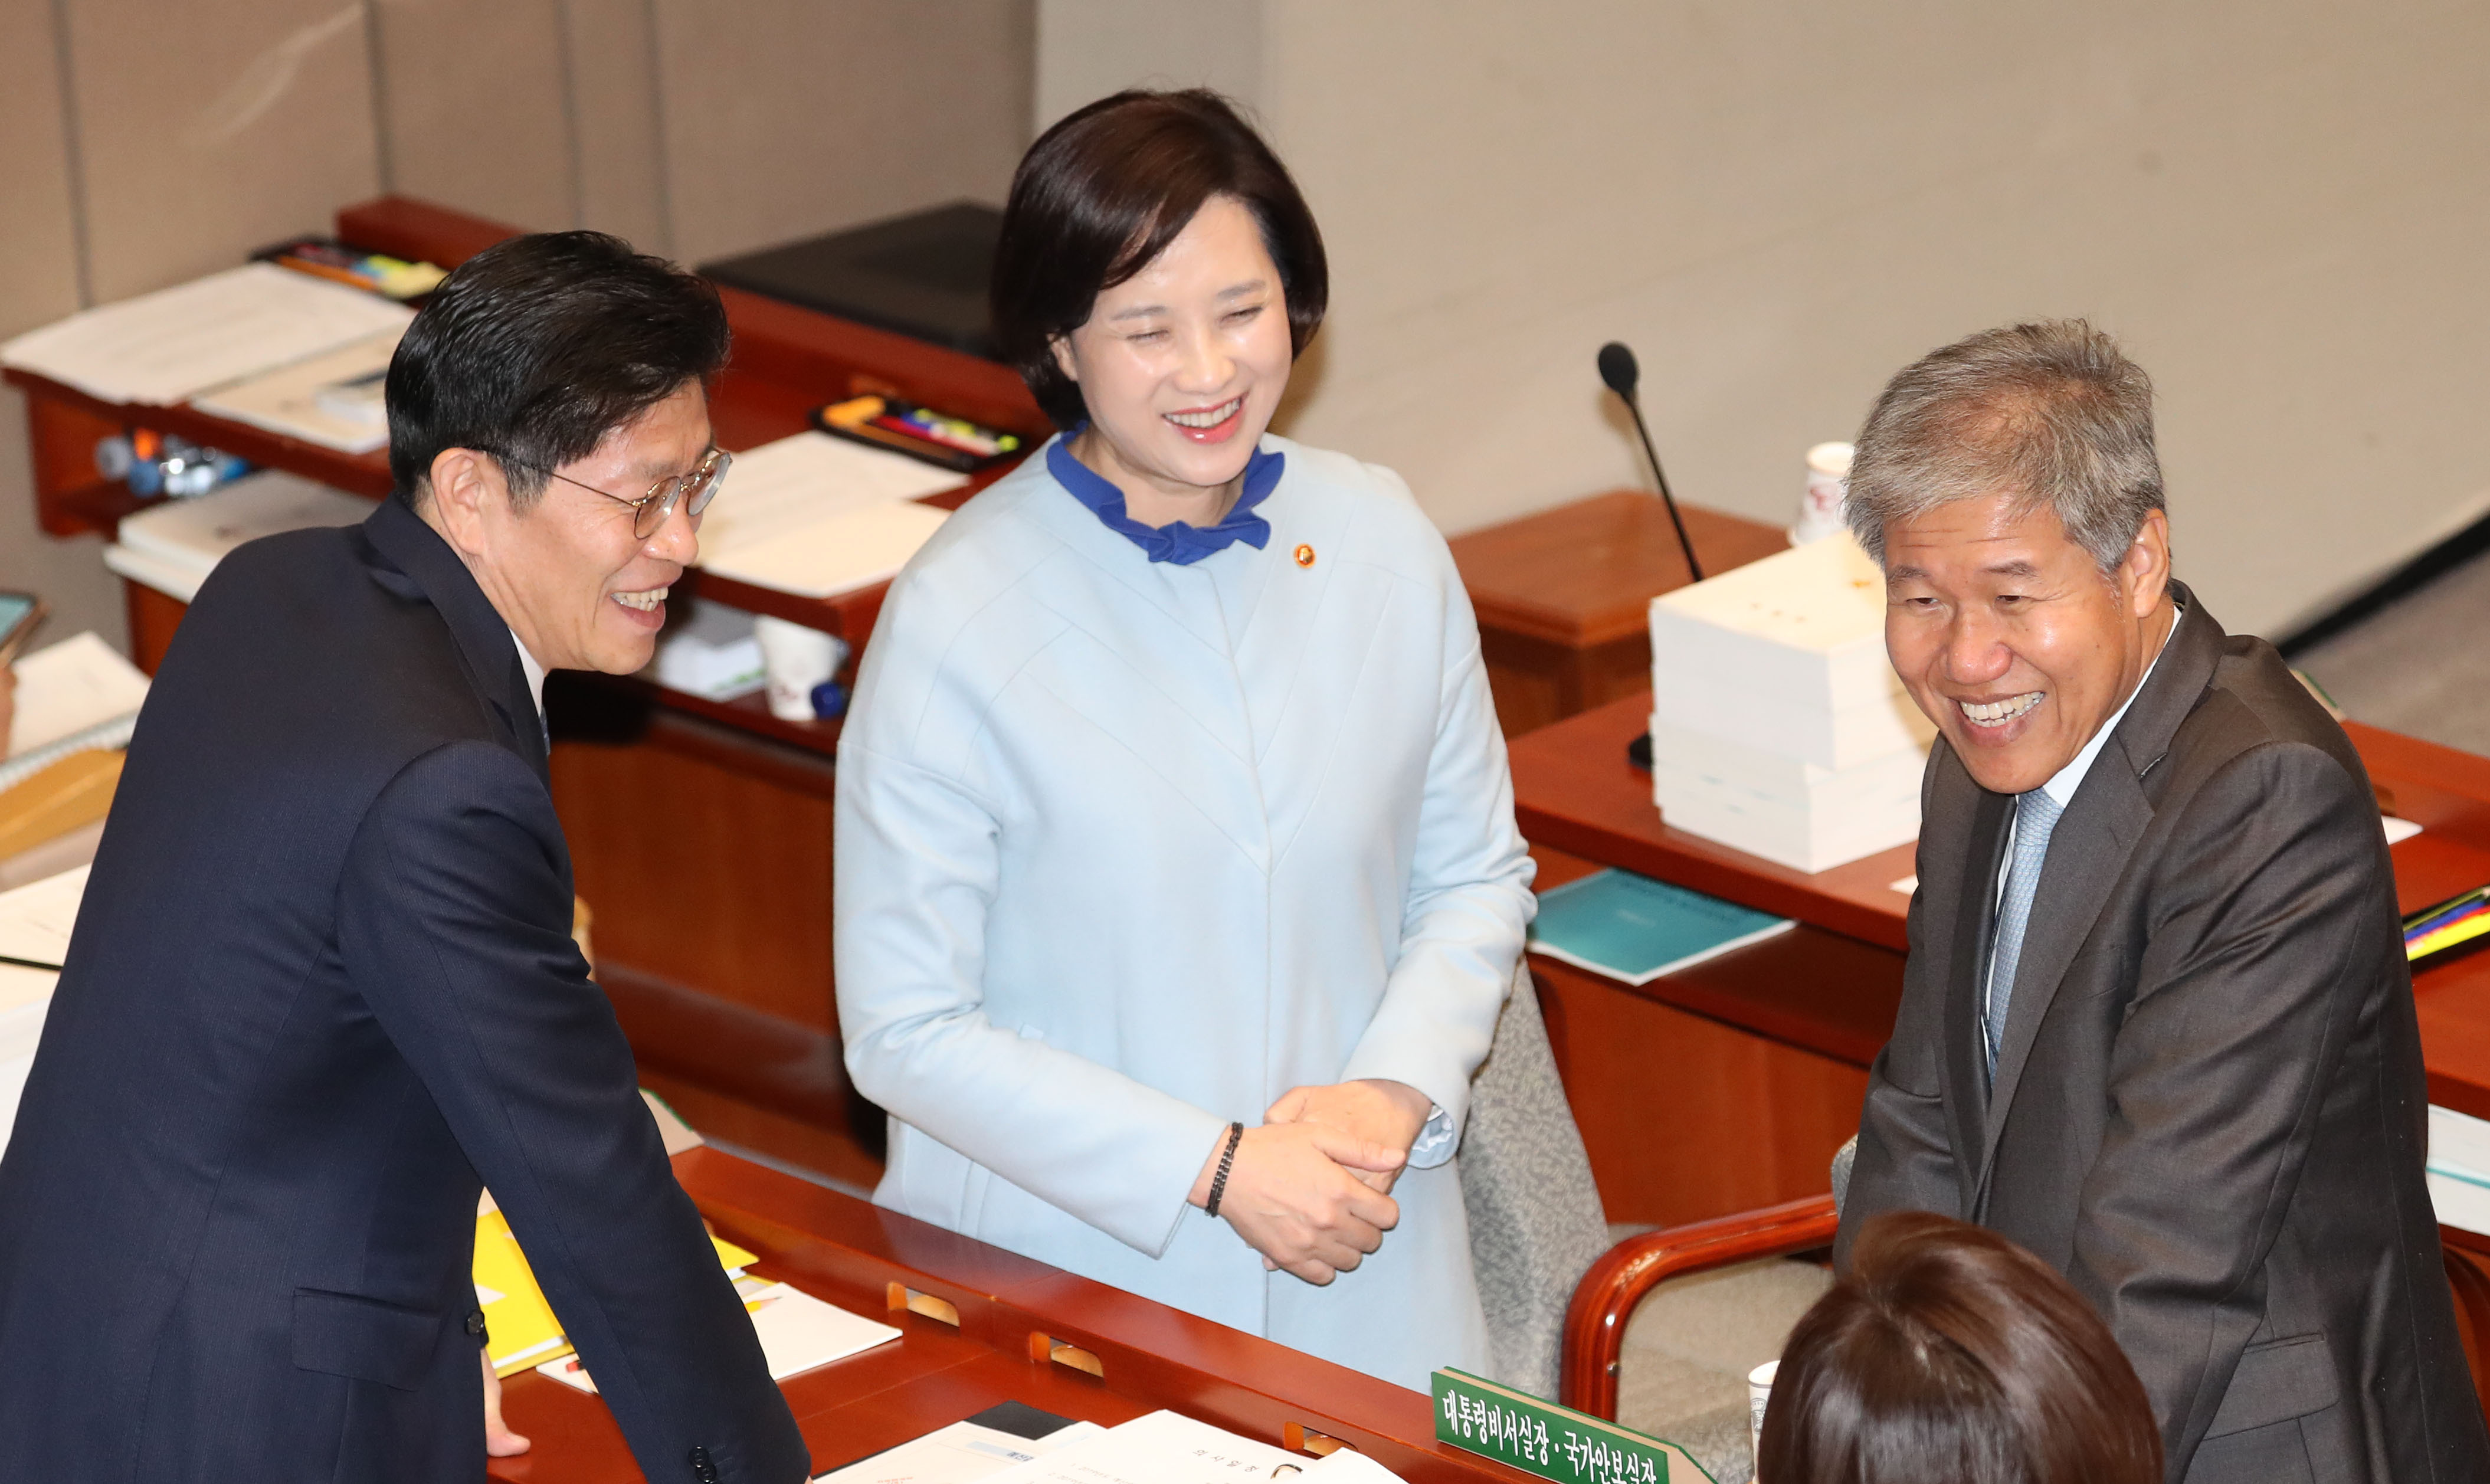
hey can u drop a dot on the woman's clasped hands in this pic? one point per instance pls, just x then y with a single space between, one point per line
1311 1188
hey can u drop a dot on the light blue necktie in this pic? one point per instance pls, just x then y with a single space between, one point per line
2036 814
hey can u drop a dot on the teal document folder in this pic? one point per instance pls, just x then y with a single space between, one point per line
1634 928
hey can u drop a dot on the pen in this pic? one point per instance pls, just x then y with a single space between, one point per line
28 963
2452 914
2437 912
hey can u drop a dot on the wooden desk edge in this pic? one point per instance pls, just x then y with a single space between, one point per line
1220 1374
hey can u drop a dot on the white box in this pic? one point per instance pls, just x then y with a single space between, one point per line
1786 655
712 653
1790 813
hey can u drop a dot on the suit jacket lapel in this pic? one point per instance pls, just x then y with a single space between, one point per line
484 643
1974 919
2088 851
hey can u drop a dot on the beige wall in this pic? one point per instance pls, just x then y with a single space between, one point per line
150 141
2279 206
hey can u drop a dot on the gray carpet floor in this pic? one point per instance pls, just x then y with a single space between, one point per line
2413 667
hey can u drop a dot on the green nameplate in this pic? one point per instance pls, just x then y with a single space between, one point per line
1556 1442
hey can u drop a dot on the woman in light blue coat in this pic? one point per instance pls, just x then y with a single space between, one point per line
1177 885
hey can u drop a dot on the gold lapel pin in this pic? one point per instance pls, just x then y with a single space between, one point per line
1305 556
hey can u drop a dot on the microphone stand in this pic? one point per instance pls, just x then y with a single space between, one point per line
1693 568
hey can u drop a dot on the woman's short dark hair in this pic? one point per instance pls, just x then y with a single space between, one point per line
538 347
1105 190
1947 1355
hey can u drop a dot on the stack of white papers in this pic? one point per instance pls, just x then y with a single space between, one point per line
332 400
34 922
176 343
817 515
72 696
1778 724
172 547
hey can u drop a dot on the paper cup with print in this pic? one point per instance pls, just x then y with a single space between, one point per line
795 660
1828 485
1759 1391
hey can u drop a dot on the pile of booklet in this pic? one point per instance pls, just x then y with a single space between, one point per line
1778 724
2459 1169
172 547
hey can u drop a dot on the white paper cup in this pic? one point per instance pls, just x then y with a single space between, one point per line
795 660
1828 484
1759 1391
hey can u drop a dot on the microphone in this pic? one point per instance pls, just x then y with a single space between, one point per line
1618 369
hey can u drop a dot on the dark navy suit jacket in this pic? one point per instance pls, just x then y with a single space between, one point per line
322 987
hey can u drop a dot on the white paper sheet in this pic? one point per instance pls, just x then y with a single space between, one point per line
1167 1447
797 1332
176 343
837 553
817 515
962 1453
34 922
302 401
69 686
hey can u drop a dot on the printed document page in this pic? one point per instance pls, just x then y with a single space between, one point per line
172 345
332 400
1167 1447
817 515
962 1453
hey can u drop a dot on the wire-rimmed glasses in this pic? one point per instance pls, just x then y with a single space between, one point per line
692 490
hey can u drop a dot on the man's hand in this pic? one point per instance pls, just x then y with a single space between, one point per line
1294 1194
499 1441
1389 1114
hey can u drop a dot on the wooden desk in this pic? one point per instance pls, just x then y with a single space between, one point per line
1778 1036
1561 596
700 831
1013 1313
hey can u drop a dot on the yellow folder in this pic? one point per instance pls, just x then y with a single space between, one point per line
521 1326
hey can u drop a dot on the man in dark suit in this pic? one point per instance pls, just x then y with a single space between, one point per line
2156 1024
323 979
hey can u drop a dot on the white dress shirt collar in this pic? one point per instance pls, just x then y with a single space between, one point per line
536 672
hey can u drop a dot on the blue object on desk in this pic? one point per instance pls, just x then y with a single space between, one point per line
829 701
1635 929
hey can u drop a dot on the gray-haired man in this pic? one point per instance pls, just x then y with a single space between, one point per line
2157 1025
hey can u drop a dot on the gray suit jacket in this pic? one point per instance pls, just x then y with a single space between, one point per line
2209 1109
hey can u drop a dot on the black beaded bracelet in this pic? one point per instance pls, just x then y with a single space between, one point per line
1226 1157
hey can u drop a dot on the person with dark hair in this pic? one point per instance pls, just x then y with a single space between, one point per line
1947 1355
1177 884
2156 1024
322 986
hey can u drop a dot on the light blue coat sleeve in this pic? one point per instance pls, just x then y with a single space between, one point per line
1468 908
917 865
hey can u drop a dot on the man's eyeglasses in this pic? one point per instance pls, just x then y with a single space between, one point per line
693 491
